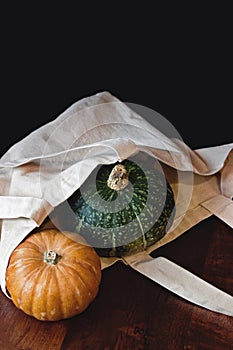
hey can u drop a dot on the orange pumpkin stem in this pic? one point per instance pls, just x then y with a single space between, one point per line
51 257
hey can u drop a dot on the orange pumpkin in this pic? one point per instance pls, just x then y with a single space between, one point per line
53 275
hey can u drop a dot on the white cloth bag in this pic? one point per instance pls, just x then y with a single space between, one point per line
45 168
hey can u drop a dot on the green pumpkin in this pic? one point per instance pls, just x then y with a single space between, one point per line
123 208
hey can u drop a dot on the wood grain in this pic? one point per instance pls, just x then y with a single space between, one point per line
133 312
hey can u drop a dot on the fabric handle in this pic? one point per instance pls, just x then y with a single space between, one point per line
12 207
183 283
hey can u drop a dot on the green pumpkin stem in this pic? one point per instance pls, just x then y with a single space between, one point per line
51 257
118 178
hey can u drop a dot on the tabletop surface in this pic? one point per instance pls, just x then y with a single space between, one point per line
133 312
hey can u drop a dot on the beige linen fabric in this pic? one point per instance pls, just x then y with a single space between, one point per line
45 168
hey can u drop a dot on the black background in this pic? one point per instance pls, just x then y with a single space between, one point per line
176 61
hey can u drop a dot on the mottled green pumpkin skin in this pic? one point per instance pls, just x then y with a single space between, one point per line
123 222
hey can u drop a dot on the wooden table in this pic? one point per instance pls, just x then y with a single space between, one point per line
133 312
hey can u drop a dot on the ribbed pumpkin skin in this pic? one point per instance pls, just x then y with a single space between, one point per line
53 292
122 222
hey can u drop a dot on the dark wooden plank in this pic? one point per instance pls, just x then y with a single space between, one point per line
133 312
19 331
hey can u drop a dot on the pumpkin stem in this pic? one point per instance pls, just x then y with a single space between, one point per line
118 178
51 257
